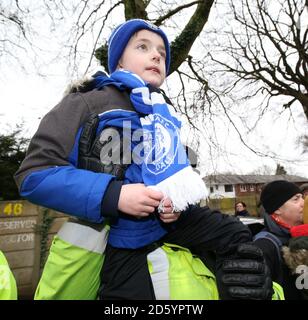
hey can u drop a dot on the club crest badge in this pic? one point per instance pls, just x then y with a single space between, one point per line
161 145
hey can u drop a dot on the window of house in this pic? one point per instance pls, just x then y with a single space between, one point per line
228 188
251 187
216 187
211 189
243 188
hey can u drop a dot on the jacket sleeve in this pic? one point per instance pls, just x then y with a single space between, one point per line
48 176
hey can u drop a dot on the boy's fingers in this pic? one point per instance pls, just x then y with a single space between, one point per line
167 218
152 203
154 194
148 209
168 209
167 203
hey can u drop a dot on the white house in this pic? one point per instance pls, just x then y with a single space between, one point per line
235 186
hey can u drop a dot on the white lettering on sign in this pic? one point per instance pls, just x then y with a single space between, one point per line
17 224
17 238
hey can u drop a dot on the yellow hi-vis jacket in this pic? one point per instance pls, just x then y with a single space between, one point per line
8 288
72 270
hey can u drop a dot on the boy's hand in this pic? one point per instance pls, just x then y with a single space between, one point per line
139 201
167 215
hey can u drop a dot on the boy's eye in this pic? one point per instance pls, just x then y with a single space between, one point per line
142 46
163 54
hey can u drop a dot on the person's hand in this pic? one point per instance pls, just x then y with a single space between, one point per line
246 276
90 147
138 200
166 211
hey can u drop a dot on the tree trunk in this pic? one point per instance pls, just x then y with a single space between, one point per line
135 9
180 47
304 103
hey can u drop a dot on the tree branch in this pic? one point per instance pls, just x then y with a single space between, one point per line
171 13
181 46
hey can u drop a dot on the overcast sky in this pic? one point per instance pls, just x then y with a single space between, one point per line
27 96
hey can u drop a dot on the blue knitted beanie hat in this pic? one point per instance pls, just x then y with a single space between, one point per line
121 35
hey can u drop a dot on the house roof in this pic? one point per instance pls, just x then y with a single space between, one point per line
250 179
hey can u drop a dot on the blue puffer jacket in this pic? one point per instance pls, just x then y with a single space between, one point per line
48 175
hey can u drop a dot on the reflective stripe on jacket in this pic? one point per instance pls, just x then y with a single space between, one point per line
72 270
178 275
8 288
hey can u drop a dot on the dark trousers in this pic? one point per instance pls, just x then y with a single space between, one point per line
125 272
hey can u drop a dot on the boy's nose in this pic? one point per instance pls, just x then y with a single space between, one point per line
156 55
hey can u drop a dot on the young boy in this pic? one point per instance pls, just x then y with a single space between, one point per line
156 200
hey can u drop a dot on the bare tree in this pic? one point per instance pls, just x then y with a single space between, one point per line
20 35
91 23
280 169
158 12
263 170
82 29
13 29
266 49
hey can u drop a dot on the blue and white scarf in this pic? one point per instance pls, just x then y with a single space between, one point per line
165 166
